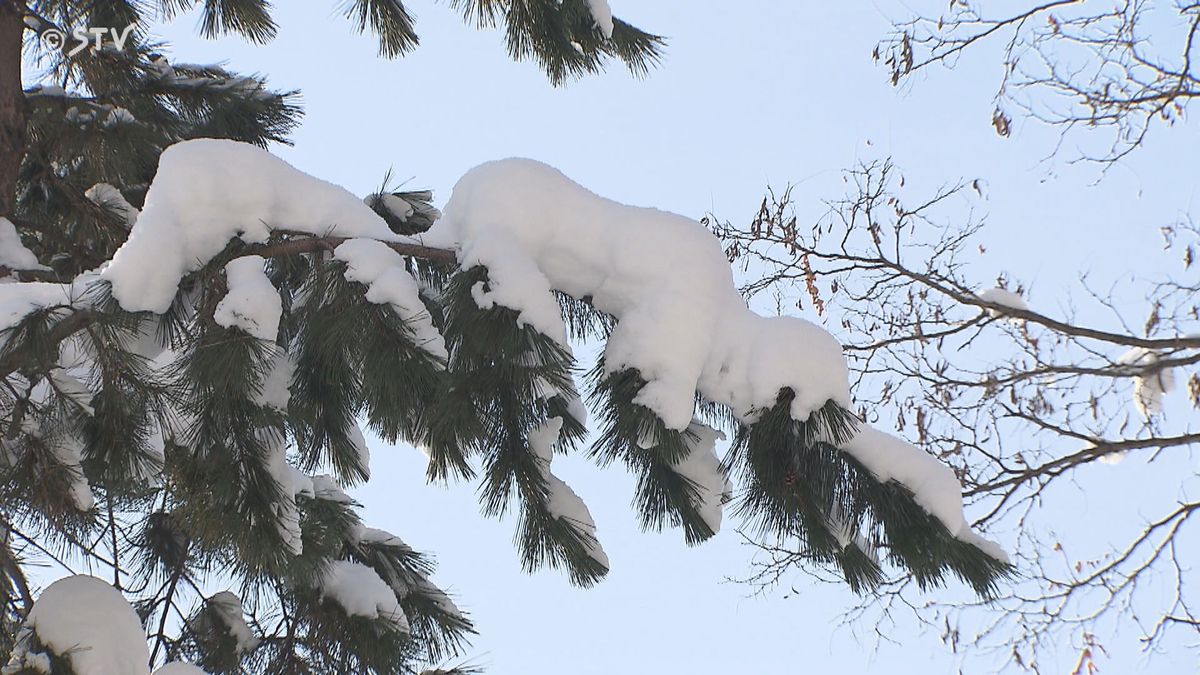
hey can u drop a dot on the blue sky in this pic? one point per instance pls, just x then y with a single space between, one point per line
749 94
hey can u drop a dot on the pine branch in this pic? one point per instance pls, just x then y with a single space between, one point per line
303 243
30 275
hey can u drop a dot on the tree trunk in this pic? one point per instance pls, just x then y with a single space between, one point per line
13 111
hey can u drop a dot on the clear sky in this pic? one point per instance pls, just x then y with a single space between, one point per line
749 94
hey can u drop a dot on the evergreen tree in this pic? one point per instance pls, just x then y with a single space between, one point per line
194 438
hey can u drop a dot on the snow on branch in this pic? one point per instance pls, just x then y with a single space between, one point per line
680 320
360 591
13 253
562 502
86 622
208 192
603 16
381 269
681 323
252 303
1004 298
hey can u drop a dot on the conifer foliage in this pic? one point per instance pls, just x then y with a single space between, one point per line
191 442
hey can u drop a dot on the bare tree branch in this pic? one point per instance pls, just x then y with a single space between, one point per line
1073 64
1017 401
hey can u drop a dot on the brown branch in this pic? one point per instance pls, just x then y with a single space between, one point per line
77 320
161 636
1015 401
1099 448
995 25
967 298
305 243
14 109
12 568
31 275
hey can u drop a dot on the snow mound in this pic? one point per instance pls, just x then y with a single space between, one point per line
209 191
665 278
88 623
933 484
361 592
602 15
681 322
1005 298
229 607
252 303
19 300
13 253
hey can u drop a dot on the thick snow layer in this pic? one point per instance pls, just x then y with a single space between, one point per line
13 253
361 592
664 277
562 502
934 485
209 191
382 270
703 468
19 300
681 322
252 302
89 623
602 14
180 668
229 607
1004 297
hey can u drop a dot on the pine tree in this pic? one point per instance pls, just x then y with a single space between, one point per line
192 433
